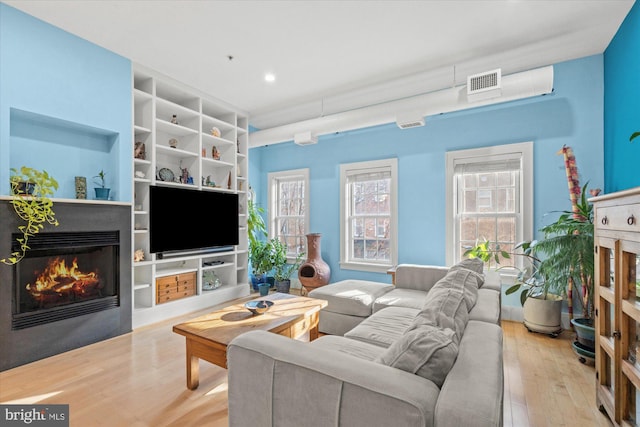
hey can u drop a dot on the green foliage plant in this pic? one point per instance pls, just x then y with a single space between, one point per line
634 135
256 229
283 270
34 209
567 247
99 179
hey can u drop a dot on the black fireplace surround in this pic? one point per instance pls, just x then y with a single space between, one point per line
73 288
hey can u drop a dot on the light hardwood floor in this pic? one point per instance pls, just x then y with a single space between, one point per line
139 380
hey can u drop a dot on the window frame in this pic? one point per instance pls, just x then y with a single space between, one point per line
273 180
345 247
524 226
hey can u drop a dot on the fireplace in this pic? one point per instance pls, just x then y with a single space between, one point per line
64 275
72 289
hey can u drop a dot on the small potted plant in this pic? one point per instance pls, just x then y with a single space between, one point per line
283 270
102 193
262 260
31 189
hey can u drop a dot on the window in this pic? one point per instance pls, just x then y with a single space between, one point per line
288 208
489 196
368 213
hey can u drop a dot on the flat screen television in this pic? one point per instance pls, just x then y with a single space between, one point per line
185 220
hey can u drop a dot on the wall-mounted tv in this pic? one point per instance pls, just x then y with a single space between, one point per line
182 220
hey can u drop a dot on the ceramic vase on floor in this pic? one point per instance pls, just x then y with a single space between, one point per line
314 272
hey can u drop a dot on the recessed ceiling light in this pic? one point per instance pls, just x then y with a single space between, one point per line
270 77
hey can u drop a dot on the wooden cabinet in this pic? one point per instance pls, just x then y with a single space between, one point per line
617 300
171 288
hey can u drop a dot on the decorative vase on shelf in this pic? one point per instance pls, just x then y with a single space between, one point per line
102 193
314 272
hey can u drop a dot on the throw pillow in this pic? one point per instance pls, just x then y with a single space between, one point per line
444 307
427 351
461 277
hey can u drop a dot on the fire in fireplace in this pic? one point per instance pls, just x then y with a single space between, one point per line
65 275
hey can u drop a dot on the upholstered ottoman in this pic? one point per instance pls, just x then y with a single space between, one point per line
350 302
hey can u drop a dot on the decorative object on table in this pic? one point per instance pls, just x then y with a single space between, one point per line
314 272
81 187
258 306
210 280
173 143
36 211
215 153
139 174
166 175
209 182
238 146
139 151
229 181
204 152
174 119
283 270
594 192
102 192
138 255
215 132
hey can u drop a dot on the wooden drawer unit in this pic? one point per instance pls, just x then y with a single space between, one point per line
624 217
176 286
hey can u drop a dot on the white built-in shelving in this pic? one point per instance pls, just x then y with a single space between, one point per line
202 124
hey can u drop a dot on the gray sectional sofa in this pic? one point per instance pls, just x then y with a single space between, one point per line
425 352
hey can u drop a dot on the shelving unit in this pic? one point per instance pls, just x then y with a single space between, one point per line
156 100
617 305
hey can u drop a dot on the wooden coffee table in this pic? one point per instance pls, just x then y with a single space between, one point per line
208 336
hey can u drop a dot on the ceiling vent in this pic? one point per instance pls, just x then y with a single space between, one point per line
408 121
305 138
485 85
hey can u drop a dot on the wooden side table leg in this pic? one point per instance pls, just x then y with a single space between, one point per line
313 330
193 369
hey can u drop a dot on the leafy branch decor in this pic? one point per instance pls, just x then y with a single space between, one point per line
31 189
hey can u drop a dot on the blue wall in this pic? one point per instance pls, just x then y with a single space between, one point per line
65 106
572 115
622 105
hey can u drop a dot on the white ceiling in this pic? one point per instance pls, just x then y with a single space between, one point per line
330 56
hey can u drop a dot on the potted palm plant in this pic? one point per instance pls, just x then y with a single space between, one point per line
283 270
568 260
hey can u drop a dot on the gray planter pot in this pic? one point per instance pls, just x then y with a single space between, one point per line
283 286
543 315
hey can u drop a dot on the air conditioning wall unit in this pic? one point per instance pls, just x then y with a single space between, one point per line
305 138
485 85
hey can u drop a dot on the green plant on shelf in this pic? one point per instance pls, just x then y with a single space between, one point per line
30 190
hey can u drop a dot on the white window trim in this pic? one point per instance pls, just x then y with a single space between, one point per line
273 178
392 164
525 149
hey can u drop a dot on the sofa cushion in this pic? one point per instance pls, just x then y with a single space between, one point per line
474 264
418 277
384 327
400 297
488 307
444 308
427 351
353 297
467 279
355 348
